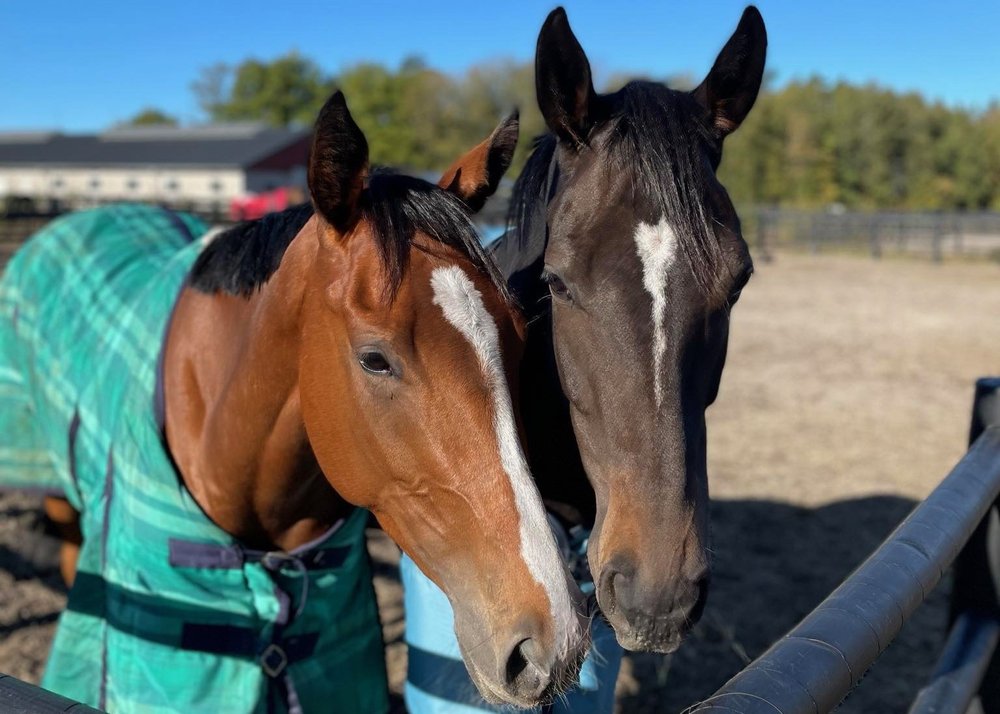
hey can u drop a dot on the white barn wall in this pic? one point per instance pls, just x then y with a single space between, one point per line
200 185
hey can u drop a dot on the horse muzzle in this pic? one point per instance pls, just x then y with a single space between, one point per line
524 668
651 619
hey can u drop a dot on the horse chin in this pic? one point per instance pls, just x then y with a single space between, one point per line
662 633
644 641
494 696
486 690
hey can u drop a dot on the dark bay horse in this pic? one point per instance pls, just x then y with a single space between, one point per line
362 354
627 253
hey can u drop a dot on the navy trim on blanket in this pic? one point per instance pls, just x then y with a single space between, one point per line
445 678
159 397
94 596
178 223
234 641
74 428
105 527
189 554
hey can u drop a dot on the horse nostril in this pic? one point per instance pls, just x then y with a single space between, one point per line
702 585
697 608
613 585
689 601
526 673
516 664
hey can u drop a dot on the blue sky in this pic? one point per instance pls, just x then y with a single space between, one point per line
84 65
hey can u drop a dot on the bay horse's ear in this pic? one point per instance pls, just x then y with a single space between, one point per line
338 163
475 176
730 89
563 80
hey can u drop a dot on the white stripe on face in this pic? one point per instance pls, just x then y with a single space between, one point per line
462 304
657 248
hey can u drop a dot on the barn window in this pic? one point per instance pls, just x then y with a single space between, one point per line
132 184
217 186
95 183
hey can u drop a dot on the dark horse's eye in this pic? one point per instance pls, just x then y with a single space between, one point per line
374 363
557 287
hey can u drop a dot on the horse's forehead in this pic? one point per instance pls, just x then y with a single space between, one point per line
446 290
411 305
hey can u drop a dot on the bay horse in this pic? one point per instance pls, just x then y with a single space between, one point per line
626 253
355 354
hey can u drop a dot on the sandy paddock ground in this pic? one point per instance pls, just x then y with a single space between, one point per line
846 399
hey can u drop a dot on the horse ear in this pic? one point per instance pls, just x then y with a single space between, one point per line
475 176
338 163
563 80
730 89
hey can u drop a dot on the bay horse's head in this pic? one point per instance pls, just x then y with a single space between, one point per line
644 260
410 351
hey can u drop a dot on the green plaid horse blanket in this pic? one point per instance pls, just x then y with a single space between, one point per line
168 612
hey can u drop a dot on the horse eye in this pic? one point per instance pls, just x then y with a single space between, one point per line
737 289
374 363
557 287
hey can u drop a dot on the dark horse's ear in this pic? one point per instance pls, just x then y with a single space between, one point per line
731 87
563 81
338 163
475 175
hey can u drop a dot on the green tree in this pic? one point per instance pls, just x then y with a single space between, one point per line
289 89
807 144
493 90
811 144
150 116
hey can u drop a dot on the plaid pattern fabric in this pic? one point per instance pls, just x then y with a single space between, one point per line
168 613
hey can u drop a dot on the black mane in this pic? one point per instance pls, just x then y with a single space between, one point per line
658 137
240 260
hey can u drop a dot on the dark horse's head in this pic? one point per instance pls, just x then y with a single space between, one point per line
644 259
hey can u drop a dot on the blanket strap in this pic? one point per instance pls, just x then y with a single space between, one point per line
276 656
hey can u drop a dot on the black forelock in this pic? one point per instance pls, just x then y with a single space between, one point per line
657 137
242 259
398 206
661 138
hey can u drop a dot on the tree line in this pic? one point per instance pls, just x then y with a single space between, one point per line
807 144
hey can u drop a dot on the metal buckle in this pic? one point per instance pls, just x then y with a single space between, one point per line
273 660
274 560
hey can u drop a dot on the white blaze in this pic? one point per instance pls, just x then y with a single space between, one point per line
462 304
657 248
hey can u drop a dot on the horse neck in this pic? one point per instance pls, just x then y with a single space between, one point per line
233 417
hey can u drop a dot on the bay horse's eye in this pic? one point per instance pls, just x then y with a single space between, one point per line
374 363
557 287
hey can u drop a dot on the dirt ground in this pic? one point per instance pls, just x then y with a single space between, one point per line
845 400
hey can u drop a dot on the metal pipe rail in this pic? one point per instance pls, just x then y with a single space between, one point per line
17 697
815 665
959 671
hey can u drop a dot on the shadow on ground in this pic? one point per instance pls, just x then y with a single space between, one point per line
773 564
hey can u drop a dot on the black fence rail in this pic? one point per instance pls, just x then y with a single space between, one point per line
932 235
13 232
17 697
826 655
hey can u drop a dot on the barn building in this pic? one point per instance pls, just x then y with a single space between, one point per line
199 168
